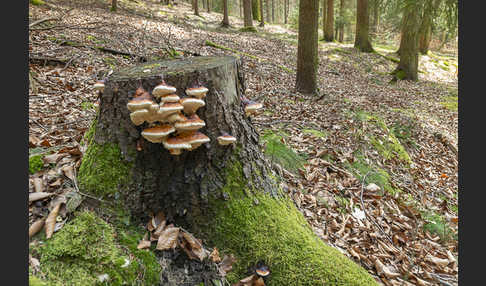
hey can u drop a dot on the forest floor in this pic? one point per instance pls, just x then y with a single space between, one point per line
379 165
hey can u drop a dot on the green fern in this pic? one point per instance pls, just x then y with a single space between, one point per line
280 153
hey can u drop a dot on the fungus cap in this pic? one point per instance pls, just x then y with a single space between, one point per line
169 108
191 104
163 89
226 139
190 124
175 117
99 85
198 92
139 116
139 103
262 271
170 98
252 107
175 143
196 139
157 133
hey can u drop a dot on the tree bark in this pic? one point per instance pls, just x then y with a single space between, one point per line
262 19
255 9
425 30
247 20
273 11
225 22
196 7
342 21
376 16
113 5
286 6
362 37
225 195
307 60
329 32
267 2
408 51
324 12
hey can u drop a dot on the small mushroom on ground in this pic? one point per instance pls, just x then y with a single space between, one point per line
191 104
99 85
170 98
163 89
196 139
157 133
176 144
226 139
169 108
139 116
252 107
192 123
262 271
198 92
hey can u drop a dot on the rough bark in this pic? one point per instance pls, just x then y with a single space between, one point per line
362 38
329 32
408 51
225 22
255 9
324 12
226 195
247 20
307 61
262 19
113 5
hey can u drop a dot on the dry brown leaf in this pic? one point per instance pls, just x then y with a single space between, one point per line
168 238
38 185
53 158
144 243
227 263
51 221
214 256
382 269
259 282
38 196
33 141
437 261
36 227
68 171
155 221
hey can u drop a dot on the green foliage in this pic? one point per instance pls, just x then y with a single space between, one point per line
277 233
35 164
437 225
37 2
316 133
450 102
86 105
248 29
279 153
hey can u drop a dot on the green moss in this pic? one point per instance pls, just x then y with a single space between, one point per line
450 102
248 29
400 74
103 170
34 281
84 249
35 164
437 225
280 153
316 133
277 233
37 2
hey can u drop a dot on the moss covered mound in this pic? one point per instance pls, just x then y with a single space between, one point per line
274 231
86 248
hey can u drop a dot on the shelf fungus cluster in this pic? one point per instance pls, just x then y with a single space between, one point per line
251 107
173 121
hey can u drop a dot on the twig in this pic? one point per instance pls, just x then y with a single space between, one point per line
40 125
42 21
69 62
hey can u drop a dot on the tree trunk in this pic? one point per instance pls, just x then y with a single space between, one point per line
196 7
307 60
376 16
342 21
248 20
225 22
286 6
362 38
425 31
204 4
262 19
267 2
273 11
255 9
209 7
408 66
113 5
324 12
329 32
225 195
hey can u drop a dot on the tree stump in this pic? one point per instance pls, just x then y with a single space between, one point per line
225 194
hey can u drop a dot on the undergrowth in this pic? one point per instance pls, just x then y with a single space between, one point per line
280 153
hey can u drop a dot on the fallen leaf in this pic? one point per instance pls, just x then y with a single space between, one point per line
38 185
144 243
53 158
38 196
227 264
36 227
68 171
51 221
436 260
214 256
168 238
382 269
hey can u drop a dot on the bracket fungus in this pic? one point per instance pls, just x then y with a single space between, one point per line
139 116
198 92
170 98
226 139
252 107
99 85
196 139
191 105
176 144
262 271
169 108
157 133
163 89
192 123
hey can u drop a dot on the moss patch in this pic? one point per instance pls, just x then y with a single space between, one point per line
35 164
103 169
84 249
37 2
248 29
450 102
276 232
316 133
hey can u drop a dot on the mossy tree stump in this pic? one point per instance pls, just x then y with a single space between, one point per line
225 195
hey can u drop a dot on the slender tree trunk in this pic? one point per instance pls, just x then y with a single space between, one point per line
376 16
204 4
307 60
227 196
409 55
329 32
225 22
425 31
255 9
362 38
241 8
196 7
209 6
262 18
273 11
113 5
267 6
324 13
342 8
248 20
285 11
